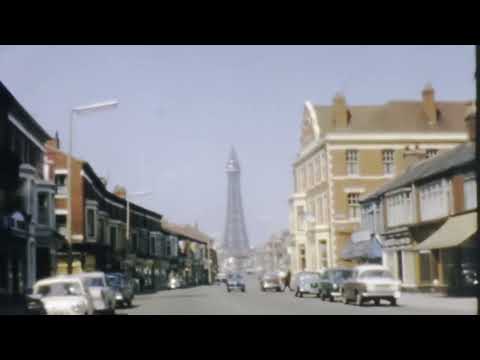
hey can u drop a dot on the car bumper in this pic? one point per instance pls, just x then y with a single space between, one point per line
310 291
271 286
382 295
335 294
100 306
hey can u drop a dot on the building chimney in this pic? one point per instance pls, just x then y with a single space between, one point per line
413 154
341 114
120 191
104 181
428 103
471 121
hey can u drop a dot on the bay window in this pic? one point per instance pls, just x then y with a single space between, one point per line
470 192
399 209
433 201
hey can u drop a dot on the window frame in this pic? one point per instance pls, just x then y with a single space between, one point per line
353 205
352 162
388 158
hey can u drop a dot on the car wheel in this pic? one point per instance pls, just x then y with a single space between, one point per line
332 299
344 298
243 289
279 289
228 289
393 302
377 302
358 299
300 294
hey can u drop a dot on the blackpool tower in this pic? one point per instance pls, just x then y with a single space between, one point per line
235 240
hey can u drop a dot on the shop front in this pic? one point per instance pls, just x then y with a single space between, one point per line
13 266
400 256
447 257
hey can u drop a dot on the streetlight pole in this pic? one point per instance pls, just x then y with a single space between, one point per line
77 110
209 263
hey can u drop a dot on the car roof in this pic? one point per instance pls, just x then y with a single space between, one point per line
91 274
305 273
56 279
370 267
339 269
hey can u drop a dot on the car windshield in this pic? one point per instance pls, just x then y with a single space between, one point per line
310 277
114 281
94 282
376 274
235 277
59 289
341 275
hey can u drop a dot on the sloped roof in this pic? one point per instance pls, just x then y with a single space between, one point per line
458 157
397 116
185 231
22 115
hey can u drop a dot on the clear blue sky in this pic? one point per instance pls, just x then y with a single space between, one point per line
182 107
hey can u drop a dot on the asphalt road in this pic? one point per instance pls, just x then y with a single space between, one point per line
215 300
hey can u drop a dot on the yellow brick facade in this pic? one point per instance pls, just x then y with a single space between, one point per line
335 229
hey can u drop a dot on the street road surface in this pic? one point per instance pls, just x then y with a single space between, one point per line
215 300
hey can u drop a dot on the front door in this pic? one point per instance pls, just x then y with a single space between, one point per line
400 265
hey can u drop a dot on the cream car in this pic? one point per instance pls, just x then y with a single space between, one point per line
371 282
103 296
64 295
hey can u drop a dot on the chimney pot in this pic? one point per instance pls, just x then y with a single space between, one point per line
341 115
428 102
471 121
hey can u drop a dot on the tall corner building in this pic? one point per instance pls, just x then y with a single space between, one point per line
235 240
347 152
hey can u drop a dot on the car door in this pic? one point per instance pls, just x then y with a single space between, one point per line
89 298
349 285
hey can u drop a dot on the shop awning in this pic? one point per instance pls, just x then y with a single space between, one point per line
365 249
453 232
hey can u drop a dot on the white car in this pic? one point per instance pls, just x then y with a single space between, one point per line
371 283
64 295
103 296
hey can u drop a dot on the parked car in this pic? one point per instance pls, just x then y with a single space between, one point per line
331 282
175 282
371 282
221 278
63 295
123 288
306 283
235 281
103 296
271 281
34 305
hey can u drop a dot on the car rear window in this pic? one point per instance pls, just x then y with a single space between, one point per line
376 274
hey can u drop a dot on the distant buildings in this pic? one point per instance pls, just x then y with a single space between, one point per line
274 254
350 151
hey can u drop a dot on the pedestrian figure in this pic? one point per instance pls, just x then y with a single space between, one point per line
287 280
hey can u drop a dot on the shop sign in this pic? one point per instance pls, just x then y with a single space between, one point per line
396 242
